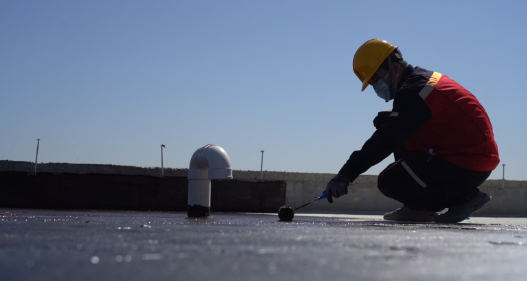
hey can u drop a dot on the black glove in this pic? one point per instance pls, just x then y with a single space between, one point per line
381 117
338 186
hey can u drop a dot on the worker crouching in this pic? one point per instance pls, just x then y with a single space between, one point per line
439 133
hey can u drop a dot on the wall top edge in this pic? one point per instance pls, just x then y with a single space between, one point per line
59 168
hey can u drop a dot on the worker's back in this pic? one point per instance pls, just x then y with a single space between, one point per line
459 129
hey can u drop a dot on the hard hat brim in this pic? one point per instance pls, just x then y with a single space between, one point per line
365 83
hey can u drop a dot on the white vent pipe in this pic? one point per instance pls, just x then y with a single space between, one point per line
208 162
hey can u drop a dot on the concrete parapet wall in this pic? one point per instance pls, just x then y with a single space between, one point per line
59 168
509 197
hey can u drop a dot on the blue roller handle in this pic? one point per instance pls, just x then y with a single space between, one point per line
323 196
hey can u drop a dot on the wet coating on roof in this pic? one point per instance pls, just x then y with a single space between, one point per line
114 245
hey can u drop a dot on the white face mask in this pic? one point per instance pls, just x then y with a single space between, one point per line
383 90
381 87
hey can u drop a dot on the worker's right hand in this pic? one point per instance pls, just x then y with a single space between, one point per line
381 117
338 186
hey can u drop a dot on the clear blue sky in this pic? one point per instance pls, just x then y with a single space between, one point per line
108 82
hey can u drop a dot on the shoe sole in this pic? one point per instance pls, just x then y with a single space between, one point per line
471 209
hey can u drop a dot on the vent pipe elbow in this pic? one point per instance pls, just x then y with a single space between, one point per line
210 162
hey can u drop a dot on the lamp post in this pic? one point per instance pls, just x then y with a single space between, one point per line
261 167
162 170
36 157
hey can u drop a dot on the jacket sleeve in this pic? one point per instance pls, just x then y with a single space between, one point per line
408 115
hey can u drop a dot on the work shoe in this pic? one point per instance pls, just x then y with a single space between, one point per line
461 212
407 214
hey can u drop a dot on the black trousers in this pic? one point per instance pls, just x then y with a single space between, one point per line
425 182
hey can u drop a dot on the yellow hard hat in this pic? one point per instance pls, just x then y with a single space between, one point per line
369 58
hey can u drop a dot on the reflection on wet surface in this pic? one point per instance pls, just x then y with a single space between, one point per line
51 244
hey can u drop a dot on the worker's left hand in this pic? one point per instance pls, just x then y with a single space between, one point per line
338 186
381 118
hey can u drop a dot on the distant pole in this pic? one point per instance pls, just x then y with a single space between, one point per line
36 157
162 171
261 167
503 180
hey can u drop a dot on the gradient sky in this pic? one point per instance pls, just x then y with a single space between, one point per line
108 82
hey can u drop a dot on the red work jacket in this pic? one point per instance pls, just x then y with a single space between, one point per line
434 114
459 129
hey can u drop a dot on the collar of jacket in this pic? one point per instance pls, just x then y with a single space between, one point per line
406 73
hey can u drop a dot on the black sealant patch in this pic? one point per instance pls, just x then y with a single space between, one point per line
286 213
198 211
